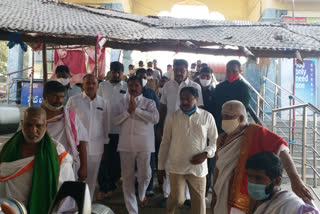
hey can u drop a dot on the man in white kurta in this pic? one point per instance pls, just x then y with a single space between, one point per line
136 116
17 176
92 111
170 103
65 127
185 147
112 91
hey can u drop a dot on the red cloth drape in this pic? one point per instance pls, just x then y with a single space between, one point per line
74 59
101 61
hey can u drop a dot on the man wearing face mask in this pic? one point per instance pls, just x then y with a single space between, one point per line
65 127
63 76
112 91
147 92
184 146
136 116
231 89
209 105
92 111
239 141
170 102
150 94
264 172
32 165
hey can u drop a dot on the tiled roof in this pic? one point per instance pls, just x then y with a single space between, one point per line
67 23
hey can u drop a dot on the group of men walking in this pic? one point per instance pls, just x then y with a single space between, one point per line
118 129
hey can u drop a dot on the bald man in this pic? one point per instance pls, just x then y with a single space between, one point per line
239 141
32 165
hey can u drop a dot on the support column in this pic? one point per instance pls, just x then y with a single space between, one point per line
15 63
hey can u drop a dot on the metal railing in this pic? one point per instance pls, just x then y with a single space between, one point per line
262 104
9 85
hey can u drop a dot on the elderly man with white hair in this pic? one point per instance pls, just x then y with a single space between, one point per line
239 141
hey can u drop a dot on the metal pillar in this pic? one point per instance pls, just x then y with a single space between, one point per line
315 124
274 121
291 131
44 63
304 143
31 82
264 96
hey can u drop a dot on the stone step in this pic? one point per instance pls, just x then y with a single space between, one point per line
116 203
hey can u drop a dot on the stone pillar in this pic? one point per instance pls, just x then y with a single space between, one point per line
15 63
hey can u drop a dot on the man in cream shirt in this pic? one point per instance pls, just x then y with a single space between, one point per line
185 146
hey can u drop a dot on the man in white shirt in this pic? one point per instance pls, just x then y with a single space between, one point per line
184 146
65 127
92 111
170 101
136 116
112 91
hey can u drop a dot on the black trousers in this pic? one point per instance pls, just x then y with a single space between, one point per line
211 165
110 170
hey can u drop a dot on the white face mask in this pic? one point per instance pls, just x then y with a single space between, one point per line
144 82
229 126
50 107
205 82
160 90
64 81
149 77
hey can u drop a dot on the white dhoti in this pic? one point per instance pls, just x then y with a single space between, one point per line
226 163
128 161
93 163
16 176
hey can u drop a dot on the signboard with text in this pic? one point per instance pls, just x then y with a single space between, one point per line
288 19
306 81
37 93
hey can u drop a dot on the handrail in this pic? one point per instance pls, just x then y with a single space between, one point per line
255 91
254 116
274 109
309 165
315 109
313 149
278 86
311 106
290 107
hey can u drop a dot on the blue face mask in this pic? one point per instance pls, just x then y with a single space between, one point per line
191 111
258 191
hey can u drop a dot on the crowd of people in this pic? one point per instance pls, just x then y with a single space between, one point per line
182 126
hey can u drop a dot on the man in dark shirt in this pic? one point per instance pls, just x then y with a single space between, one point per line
231 89
205 81
150 94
